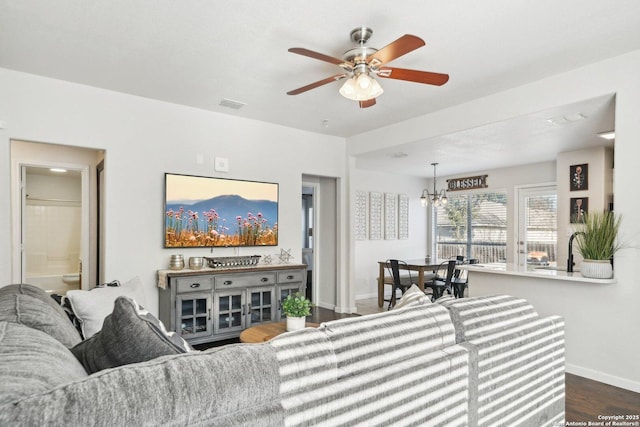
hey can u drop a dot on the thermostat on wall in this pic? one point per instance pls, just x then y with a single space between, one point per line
221 164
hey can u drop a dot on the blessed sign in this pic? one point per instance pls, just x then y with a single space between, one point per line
467 183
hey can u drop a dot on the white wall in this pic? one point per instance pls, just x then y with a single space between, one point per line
369 252
602 320
143 139
600 161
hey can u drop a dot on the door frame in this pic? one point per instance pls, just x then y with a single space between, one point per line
18 197
520 232
314 272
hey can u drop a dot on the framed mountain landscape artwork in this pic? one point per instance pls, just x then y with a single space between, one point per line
217 212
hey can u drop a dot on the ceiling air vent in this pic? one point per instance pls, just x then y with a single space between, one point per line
236 105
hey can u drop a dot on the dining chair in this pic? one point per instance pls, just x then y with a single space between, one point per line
442 281
460 281
401 283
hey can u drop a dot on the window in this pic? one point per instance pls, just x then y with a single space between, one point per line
472 225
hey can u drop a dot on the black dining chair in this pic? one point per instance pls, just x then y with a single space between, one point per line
441 283
401 283
460 281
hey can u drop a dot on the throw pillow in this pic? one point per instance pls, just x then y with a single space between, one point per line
91 307
129 335
412 298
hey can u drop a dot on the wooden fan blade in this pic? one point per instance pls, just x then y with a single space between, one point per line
317 84
425 77
368 103
396 49
315 55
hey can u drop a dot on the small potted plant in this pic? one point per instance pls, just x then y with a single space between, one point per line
296 307
597 242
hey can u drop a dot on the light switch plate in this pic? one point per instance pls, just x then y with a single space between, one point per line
221 164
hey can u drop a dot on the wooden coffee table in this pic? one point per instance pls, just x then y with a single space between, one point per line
265 332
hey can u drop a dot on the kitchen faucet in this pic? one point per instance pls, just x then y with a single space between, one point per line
570 262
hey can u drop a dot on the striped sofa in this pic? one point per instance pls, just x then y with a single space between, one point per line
489 361
486 361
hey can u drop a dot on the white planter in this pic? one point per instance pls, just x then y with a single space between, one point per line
596 269
295 323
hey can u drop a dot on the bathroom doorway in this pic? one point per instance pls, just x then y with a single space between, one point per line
51 220
54 215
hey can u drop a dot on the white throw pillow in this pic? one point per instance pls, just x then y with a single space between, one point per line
91 307
412 298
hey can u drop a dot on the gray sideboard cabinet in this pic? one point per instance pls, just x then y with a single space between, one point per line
218 303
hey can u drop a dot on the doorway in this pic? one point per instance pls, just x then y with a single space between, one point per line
51 225
54 215
307 235
537 227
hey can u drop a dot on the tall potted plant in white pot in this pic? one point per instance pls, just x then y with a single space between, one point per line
597 242
296 307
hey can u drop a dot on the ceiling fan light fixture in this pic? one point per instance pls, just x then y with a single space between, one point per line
363 81
353 90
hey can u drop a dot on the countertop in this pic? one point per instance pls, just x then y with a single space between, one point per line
544 273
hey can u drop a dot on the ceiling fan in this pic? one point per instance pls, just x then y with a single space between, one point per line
361 63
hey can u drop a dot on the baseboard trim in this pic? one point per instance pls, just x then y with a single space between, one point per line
327 306
366 296
603 378
387 294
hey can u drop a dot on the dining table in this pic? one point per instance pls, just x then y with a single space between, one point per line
421 265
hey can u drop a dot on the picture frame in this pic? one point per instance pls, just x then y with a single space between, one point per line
361 215
389 216
579 177
403 216
578 207
375 215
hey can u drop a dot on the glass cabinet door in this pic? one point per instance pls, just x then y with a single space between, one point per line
230 311
194 315
283 292
261 307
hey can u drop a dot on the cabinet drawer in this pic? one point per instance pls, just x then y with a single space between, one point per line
227 281
194 283
290 276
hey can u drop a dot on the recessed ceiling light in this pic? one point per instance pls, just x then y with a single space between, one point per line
229 103
399 155
58 170
608 135
574 117
567 118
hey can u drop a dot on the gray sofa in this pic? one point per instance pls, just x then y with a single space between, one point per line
474 361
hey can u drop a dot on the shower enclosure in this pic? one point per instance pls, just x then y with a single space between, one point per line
52 228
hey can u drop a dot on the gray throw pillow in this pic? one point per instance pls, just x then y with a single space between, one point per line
38 313
129 335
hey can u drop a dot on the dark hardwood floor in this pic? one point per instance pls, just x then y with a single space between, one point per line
586 399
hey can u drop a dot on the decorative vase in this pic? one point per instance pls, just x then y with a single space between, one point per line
295 323
596 269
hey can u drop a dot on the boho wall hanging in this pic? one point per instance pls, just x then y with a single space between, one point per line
375 215
389 216
403 216
361 215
